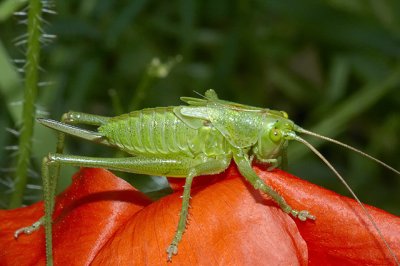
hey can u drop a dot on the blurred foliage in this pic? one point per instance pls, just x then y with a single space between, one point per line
333 65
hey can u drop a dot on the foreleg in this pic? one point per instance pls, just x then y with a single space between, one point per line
244 165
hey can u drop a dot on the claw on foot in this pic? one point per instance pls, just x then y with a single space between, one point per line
29 229
171 250
303 215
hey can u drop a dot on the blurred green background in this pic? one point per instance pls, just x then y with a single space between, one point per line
332 65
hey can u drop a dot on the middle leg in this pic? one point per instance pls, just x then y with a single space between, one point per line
212 166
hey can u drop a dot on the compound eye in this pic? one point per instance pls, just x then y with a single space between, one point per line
275 135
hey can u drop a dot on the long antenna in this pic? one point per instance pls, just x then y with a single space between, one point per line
302 130
351 191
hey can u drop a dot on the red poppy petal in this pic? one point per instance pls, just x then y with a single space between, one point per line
229 224
87 214
342 233
26 249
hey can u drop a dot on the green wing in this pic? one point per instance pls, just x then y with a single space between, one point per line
211 97
239 124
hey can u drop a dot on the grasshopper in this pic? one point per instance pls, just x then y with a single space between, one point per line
200 138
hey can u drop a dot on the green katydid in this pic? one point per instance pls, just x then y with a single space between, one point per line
200 138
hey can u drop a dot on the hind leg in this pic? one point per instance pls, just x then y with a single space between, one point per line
68 118
179 166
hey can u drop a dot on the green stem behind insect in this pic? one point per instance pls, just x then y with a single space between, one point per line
31 87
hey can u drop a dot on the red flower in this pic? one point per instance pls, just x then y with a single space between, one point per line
102 220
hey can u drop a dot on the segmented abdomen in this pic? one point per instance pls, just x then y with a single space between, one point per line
159 131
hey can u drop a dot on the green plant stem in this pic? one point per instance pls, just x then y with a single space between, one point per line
29 110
